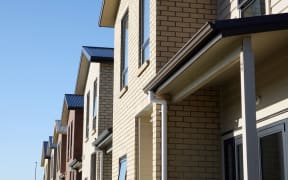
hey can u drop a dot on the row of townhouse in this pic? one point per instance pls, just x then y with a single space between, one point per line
194 89
81 145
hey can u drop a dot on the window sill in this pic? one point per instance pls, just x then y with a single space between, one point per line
93 132
143 67
123 91
86 140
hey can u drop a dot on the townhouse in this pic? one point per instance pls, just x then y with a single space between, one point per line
60 139
186 102
194 89
45 161
95 83
72 117
52 152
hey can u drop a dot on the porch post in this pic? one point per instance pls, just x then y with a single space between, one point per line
249 131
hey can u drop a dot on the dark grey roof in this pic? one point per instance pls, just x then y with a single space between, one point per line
225 28
98 54
74 101
45 146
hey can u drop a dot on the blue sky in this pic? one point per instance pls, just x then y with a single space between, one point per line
40 45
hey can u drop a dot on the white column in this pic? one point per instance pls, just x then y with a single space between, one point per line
249 131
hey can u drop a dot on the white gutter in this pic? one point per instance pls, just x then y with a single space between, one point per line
152 99
101 156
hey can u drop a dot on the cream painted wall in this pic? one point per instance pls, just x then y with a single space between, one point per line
145 148
88 148
272 87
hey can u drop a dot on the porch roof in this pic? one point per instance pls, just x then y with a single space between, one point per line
214 33
104 138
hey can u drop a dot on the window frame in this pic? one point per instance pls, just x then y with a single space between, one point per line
245 4
87 115
123 158
95 104
143 43
93 166
124 49
266 130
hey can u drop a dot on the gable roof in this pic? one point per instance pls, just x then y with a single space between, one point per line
73 101
44 153
98 54
211 30
91 55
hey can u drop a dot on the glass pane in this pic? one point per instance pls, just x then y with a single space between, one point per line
229 155
146 24
272 157
87 114
123 169
124 60
95 100
146 53
240 161
255 8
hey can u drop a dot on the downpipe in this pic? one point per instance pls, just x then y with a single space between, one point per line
100 153
163 103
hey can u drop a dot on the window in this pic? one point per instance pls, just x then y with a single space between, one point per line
229 162
87 113
250 8
122 168
124 51
95 104
145 30
272 145
93 167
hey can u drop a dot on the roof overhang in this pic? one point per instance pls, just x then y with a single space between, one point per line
91 55
104 141
51 145
76 164
212 50
74 104
58 129
44 153
108 13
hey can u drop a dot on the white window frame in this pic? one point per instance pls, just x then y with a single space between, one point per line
95 103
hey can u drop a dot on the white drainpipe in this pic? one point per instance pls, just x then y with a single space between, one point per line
100 153
152 99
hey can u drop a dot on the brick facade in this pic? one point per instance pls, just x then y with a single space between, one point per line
176 22
194 137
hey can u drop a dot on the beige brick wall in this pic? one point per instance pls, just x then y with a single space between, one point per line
194 137
105 97
183 19
103 72
132 102
107 167
177 21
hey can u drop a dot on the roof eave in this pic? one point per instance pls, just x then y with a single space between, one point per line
224 28
108 13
